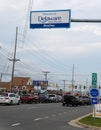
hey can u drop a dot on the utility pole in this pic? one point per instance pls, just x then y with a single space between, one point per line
64 84
73 79
1 77
45 74
14 59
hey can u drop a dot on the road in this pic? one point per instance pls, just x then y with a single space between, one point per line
52 116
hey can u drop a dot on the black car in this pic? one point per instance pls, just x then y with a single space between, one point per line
70 100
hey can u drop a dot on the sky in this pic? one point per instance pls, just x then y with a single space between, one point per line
64 53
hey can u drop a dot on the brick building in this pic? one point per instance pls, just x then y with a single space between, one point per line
19 84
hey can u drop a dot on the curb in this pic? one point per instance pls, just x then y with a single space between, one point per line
76 123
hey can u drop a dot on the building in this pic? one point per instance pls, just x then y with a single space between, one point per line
19 84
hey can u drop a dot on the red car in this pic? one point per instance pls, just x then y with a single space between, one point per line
28 98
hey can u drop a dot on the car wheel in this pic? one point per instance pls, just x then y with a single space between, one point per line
18 103
63 104
11 102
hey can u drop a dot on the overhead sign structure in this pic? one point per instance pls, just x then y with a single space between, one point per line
50 19
94 80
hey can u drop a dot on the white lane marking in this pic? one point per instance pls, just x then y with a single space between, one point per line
16 124
38 119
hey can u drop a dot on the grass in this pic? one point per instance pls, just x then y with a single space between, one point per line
89 120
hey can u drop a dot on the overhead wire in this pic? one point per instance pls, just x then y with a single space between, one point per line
46 56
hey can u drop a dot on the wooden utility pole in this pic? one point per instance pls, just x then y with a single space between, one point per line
14 59
45 74
64 85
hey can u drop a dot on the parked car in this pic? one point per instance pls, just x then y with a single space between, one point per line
70 100
36 97
53 97
43 98
59 98
28 98
85 100
9 98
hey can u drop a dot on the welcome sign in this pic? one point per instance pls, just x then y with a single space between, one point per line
50 19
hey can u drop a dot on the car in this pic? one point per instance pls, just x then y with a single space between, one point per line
85 100
28 98
70 100
36 97
9 98
53 97
44 98
59 98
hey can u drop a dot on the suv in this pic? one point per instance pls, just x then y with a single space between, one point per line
70 100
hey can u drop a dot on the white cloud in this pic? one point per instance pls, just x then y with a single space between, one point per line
88 28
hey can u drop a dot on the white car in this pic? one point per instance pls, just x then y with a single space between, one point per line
53 97
9 98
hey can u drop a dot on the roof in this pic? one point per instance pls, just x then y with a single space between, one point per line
21 80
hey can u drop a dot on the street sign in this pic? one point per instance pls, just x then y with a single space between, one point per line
94 92
50 19
94 101
94 80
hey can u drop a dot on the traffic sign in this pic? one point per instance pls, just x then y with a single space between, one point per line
94 101
94 92
94 80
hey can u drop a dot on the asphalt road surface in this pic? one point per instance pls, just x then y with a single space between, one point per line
52 116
